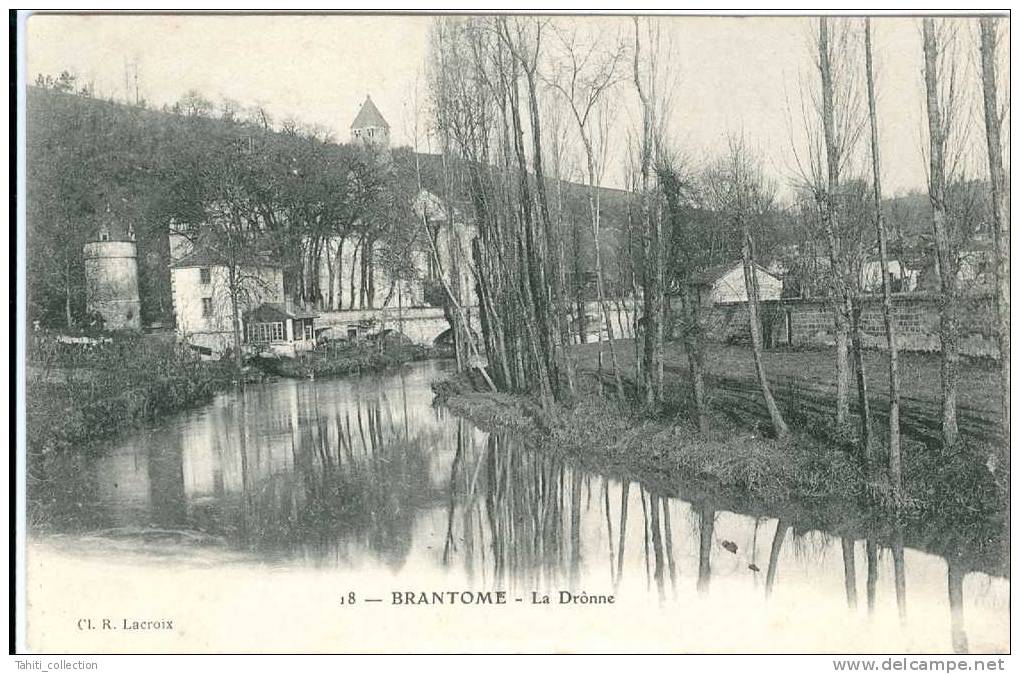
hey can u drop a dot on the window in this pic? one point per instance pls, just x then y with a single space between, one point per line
207 306
309 331
205 277
265 332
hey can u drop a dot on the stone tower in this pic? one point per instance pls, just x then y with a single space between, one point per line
370 128
111 275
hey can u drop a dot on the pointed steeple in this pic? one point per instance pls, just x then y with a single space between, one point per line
370 127
368 116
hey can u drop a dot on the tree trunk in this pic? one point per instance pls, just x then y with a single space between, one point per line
340 275
652 238
593 204
370 271
829 218
779 427
551 247
331 276
695 356
1000 210
535 291
354 269
948 328
235 317
895 459
863 406
582 310
67 295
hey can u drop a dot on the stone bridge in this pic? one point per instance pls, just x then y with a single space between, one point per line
422 325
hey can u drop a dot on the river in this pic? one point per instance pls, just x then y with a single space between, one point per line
353 515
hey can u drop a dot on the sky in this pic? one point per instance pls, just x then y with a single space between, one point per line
733 75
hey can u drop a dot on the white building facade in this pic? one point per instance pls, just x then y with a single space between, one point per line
203 308
724 284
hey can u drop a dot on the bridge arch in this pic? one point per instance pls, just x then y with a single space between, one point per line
445 338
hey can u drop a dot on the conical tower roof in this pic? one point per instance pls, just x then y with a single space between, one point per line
369 115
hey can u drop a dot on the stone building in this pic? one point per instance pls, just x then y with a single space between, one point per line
203 307
370 128
111 275
347 272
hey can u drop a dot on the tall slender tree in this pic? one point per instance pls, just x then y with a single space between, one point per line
938 132
742 193
1000 207
895 462
845 310
651 220
586 77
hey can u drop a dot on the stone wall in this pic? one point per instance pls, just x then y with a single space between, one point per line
809 321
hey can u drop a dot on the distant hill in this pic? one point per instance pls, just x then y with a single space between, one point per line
93 162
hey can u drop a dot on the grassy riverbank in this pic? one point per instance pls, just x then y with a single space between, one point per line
814 469
79 393
344 359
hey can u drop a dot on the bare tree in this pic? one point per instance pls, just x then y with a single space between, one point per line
895 463
524 40
652 367
940 120
585 75
476 93
1000 206
839 142
742 193
685 252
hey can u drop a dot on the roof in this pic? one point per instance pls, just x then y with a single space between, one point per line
205 257
710 275
369 115
279 310
115 226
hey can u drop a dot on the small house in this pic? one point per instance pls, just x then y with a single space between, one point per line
280 327
901 278
724 284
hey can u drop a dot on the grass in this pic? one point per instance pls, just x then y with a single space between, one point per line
803 384
77 394
598 434
816 468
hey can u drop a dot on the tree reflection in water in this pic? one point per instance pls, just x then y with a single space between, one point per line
351 480
706 527
338 474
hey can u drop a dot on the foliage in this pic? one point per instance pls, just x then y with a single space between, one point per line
188 170
345 359
82 392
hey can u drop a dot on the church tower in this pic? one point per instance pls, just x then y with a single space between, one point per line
369 128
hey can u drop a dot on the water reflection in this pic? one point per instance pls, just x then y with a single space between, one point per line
367 473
